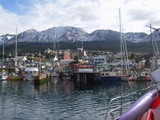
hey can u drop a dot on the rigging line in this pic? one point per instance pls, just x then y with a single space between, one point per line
151 37
125 49
156 46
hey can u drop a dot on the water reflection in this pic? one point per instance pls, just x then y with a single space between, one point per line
59 99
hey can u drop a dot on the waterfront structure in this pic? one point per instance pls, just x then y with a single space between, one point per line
84 73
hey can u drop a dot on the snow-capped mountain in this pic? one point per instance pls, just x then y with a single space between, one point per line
57 34
104 35
6 37
72 34
62 34
136 37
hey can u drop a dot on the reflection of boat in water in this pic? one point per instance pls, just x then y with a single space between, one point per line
127 78
147 107
54 80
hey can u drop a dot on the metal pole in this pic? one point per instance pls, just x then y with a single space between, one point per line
3 54
120 39
16 52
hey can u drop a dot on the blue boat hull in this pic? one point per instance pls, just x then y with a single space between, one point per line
111 79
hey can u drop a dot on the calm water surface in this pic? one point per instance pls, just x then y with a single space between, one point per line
59 100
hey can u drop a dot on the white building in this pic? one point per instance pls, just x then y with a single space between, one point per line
99 59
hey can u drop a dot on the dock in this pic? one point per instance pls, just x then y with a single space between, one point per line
86 77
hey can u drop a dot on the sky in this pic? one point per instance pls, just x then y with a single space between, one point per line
89 15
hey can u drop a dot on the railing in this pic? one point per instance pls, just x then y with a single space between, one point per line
111 111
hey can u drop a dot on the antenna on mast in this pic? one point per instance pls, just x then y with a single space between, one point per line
156 29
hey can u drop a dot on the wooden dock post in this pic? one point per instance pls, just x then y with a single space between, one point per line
86 77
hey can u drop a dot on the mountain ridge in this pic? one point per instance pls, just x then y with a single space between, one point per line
72 34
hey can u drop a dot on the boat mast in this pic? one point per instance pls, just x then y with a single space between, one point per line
126 55
16 70
120 26
82 45
40 67
53 51
123 47
155 49
2 54
55 48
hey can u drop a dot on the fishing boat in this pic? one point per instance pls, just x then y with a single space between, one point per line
30 73
110 76
147 107
36 73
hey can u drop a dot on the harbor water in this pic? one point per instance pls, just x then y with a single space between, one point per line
60 99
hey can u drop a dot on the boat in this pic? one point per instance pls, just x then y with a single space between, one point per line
36 74
147 107
30 73
4 75
110 76
54 72
145 75
125 70
16 75
126 78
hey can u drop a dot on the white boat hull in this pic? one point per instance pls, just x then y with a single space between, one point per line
4 76
28 77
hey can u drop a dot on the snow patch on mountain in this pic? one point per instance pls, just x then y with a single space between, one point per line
136 37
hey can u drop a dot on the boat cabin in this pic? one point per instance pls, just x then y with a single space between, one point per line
32 70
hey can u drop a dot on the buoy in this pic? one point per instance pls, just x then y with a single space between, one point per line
9 77
147 77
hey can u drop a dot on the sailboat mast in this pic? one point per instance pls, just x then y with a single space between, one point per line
16 52
121 47
155 48
152 40
3 54
82 45
53 50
